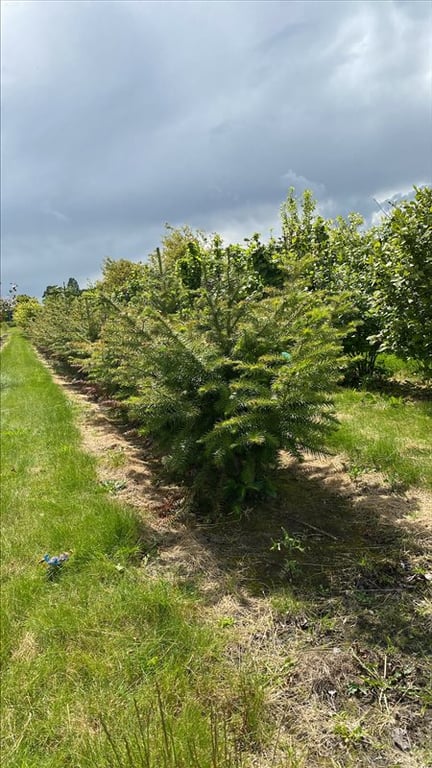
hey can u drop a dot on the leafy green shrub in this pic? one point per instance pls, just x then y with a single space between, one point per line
68 325
404 289
26 311
340 263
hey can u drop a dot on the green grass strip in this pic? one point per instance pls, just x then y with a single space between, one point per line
99 643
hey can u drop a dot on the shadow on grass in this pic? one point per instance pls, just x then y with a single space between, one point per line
335 546
408 390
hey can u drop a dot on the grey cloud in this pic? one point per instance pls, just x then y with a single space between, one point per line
119 116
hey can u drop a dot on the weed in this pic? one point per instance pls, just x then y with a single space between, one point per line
288 545
352 734
226 621
140 747
113 486
385 681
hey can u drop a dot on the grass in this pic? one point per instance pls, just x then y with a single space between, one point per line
398 368
89 646
298 638
388 433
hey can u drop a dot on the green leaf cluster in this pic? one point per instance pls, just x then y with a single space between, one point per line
403 295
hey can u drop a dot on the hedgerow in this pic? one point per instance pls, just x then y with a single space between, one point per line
226 354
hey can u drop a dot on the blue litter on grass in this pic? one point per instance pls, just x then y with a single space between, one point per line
56 560
286 355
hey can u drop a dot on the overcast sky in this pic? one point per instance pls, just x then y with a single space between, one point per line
121 116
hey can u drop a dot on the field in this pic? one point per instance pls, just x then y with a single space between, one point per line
299 637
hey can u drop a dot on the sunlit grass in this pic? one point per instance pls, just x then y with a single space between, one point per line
386 433
94 643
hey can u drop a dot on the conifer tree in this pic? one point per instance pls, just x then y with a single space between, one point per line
245 372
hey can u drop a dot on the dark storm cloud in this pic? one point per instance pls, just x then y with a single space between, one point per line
119 116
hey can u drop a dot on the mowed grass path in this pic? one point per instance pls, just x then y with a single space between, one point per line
100 641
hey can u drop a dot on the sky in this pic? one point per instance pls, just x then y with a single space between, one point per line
118 117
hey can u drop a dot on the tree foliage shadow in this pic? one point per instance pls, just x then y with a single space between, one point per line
337 547
407 389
